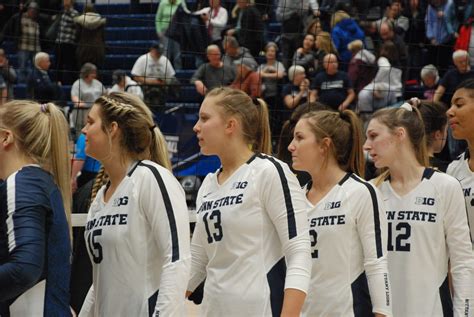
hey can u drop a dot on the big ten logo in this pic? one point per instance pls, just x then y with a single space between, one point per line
239 185
332 205
424 201
172 144
121 201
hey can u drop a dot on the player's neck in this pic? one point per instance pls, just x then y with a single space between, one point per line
323 181
231 161
116 170
12 162
405 176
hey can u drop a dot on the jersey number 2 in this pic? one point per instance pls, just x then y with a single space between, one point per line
403 232
95 246
314 240
215 218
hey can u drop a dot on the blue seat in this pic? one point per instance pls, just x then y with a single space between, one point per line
124 62
129 20
130 33
128 47
184 75
187 94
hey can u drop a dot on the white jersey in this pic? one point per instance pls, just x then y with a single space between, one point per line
459 168
245 227
139 246
348 233
427 227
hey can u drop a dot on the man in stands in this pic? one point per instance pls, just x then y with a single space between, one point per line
233 51
40 86
332 87
247 79
387 33
154 72
212 74
454 77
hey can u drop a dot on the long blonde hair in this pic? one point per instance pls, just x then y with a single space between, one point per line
41 133
415 128
253 115
345 131
141 138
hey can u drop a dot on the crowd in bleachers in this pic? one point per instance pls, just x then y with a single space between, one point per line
360 54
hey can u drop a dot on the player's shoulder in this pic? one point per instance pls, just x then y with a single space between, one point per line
268 164
459 164
441 181
144 171
356 185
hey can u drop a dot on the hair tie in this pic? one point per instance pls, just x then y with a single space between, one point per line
152 127
255 101
407 106
344 116
44 107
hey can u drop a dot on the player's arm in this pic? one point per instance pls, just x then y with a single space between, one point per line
26 226
87 309
163 202
372 229
459 246
199 257
284 201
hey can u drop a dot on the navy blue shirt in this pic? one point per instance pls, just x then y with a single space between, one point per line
34 240
332 89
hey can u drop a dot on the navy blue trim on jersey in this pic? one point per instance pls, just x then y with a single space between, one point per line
445 297
427 173
361 302
292 232
251 159
375 204
133 168
344 179
169 211
276 283
152 303
467 154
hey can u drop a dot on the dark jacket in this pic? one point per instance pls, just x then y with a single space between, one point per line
90 39
41 88
250 34
189 31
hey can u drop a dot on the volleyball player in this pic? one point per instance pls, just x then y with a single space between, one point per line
461 121
435 122
251 240
137 230
347 219
35 200
427 223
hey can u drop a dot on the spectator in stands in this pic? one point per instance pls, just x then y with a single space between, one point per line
415 36
394 13
215 16
233 51
296 92
248 27
306 56
40 86
386 87
8 73
7 8
247 79
3 91
24 29
465 38
332 87
212 74
454 77
156 75
90 37
272 72
324 45
65 49
429 81
124 83
315 27
84 92
387 33
441 28
164 15
291 14
344 30
84 168
362 67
